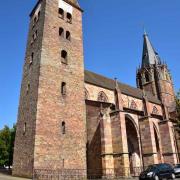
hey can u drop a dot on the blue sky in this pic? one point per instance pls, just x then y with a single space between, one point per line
112 41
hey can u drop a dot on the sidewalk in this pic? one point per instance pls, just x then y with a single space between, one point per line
9 177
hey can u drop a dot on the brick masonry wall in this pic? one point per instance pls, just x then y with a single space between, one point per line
94 146
167 94
53 149
168 142
43 108
24 142
148 142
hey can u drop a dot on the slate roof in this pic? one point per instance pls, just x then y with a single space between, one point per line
104 82
149 56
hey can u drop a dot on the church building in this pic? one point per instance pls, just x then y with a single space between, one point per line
73 119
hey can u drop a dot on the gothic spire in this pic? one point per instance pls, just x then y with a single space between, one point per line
149 56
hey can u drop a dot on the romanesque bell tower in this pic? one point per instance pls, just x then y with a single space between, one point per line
51 129
154 76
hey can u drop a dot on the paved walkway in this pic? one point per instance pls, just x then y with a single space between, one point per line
8 177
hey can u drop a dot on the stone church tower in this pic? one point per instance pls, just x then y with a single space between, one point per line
154 76
51 128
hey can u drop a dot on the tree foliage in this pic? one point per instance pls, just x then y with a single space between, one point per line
7 138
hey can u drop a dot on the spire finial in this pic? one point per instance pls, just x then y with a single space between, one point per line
145 33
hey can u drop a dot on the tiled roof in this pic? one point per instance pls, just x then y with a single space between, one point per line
99 80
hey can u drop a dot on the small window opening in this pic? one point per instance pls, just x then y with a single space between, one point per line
32 40
133 105
68 35
39 13
69 18
147 77
61 32
63 88
64 56
63 126
28 88
155 110
35 35
24 129
32 59
61 13
34 21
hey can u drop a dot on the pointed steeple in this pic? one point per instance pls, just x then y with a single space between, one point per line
149 56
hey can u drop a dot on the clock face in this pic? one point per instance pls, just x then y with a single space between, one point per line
65 6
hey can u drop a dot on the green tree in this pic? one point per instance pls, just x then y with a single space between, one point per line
7 137
11 145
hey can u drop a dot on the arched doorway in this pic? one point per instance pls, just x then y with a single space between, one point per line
133 145
157 145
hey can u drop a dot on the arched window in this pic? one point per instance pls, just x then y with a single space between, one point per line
61 32
35 35
34 21
69 17
31 59
39 13
63 127
63 88
61 13
64 56
28 88
147 77
133 105
68 35
24 129
102 97
155 110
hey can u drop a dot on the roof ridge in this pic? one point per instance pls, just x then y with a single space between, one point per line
105 82
121 83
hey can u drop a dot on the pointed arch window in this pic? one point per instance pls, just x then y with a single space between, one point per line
102 97
155 110
147 77
133 105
